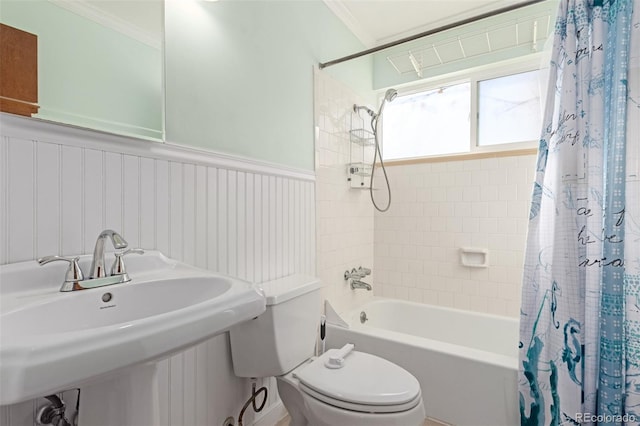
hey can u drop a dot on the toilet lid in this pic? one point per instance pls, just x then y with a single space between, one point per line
364 379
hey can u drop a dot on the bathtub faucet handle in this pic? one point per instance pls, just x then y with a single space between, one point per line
354 274
365 271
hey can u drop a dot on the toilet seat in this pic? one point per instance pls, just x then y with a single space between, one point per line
363 408
365 383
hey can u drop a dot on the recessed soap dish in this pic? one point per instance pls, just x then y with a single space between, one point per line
474 257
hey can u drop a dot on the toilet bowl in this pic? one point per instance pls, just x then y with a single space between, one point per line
367 390
342 387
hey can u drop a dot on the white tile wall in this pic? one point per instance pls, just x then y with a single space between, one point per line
344 216
439 208
59 187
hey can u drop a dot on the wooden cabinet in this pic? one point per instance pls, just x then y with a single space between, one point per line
18 71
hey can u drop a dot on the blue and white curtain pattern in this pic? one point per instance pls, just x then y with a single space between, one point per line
580 317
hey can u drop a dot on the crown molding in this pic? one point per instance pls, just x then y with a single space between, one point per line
93 13
344 14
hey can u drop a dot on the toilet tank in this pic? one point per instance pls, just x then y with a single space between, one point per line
284 336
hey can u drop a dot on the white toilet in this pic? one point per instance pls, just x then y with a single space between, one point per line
339 388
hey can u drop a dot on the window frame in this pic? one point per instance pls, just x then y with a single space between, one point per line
474 77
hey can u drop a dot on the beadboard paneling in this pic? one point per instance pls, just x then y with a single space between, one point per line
246 220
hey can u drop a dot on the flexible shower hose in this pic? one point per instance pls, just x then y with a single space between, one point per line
376 152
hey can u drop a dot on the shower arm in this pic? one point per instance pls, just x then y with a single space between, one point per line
358 108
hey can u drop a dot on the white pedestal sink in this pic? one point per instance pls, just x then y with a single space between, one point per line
52 341
125 397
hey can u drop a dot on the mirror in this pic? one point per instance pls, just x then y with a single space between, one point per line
99 62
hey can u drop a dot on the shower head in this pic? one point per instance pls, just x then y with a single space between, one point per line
390 95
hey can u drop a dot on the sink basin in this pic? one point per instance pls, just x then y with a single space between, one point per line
52 341
86 310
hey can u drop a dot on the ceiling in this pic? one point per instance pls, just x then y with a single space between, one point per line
375 22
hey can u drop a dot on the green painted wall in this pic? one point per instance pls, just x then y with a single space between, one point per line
239 75
90 75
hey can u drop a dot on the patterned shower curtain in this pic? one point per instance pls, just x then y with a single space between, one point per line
580 317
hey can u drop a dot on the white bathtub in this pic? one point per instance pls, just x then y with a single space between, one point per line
466 362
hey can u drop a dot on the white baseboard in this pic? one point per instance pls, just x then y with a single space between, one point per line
272 415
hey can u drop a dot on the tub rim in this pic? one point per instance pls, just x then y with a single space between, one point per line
452 349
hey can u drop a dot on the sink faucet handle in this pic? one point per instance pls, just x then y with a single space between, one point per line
118 267
74 273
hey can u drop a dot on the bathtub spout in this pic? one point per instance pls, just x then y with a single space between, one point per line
360 284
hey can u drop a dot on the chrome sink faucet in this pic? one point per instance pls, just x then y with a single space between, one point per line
97 265
74 278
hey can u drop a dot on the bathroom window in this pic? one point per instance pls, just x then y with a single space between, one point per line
509 109
433 122
496 110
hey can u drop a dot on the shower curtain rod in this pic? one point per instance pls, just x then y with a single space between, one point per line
429 32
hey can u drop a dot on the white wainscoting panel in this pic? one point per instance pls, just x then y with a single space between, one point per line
61 186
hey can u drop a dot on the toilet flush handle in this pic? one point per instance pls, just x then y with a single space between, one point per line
336 358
